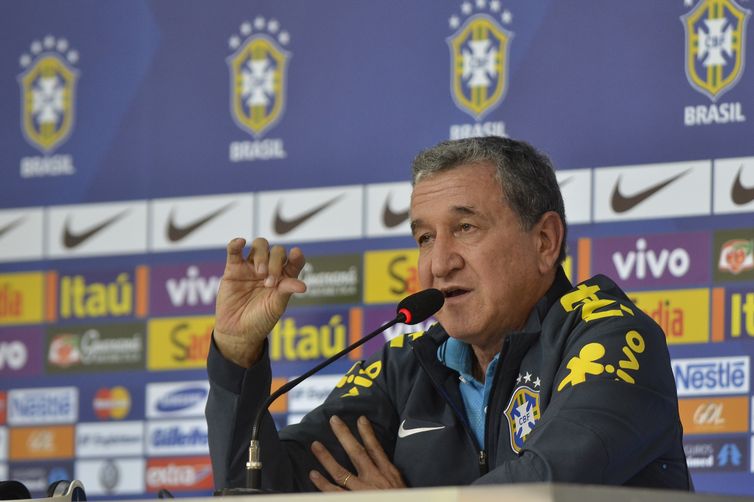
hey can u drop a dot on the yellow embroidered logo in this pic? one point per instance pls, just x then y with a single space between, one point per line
359 377
592 306
586 363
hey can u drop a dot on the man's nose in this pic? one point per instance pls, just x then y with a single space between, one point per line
445 256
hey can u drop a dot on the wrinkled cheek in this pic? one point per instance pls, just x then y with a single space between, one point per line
425 272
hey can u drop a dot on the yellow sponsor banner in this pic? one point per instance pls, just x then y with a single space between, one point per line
21 298
389 276
179 342
683 314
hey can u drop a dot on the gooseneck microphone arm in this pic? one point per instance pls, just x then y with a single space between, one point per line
412 310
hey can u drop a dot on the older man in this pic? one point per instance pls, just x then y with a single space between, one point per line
525 378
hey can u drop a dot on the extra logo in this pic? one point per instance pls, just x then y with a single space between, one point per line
48 102
522 414
715 57
179 474
258 80
479 49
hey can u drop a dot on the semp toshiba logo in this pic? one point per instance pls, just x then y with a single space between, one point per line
180 399
711 375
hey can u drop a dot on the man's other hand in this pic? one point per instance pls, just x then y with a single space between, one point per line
374 471
252 297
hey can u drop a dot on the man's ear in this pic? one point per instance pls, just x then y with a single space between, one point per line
549 235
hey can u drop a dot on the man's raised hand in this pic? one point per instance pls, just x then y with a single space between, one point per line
253 295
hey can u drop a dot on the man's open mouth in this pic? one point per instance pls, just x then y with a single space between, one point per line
450 293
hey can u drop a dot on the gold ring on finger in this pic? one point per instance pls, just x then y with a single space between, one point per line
345 480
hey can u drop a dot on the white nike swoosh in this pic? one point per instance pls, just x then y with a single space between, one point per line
403 432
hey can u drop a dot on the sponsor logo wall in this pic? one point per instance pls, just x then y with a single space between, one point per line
117 206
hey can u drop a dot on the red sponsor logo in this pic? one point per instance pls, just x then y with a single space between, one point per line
3 406
114 403
179 474
64 350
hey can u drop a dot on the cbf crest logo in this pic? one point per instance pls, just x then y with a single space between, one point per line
522 414
479 57
48 93
258 75
715 43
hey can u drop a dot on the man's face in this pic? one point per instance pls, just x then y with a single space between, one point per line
472 248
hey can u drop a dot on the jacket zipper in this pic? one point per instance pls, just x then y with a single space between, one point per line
483 468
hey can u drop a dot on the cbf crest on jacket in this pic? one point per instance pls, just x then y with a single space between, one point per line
583 394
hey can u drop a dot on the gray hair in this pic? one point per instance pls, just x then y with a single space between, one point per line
526 176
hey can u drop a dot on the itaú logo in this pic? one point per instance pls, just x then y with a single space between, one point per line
709 414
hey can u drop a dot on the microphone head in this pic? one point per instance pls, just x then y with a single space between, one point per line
418 307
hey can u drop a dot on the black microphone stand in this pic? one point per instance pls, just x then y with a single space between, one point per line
254 465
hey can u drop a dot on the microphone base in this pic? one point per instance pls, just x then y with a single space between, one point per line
236 492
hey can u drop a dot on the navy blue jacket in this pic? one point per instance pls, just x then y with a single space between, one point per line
583 394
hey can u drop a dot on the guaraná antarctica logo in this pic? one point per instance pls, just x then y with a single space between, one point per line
258 80
479 57
715 45
48 103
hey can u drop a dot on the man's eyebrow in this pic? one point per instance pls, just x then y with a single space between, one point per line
464 210
458 210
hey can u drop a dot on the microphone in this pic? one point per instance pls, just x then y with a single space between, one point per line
418 307
411 310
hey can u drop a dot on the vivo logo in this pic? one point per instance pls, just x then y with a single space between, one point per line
643 261
181 400
13 355
711 375
193 289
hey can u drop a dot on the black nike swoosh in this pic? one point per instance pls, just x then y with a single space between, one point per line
176 233
71 239
622 203
10 226
283 226
392 219
740 194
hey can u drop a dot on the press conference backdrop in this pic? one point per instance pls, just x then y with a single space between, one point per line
138 137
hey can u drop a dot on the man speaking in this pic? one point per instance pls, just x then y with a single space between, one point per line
524 379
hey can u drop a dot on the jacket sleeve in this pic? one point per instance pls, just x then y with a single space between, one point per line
237 393
612 407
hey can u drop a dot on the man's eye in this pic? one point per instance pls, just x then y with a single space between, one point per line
423 239
465 227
